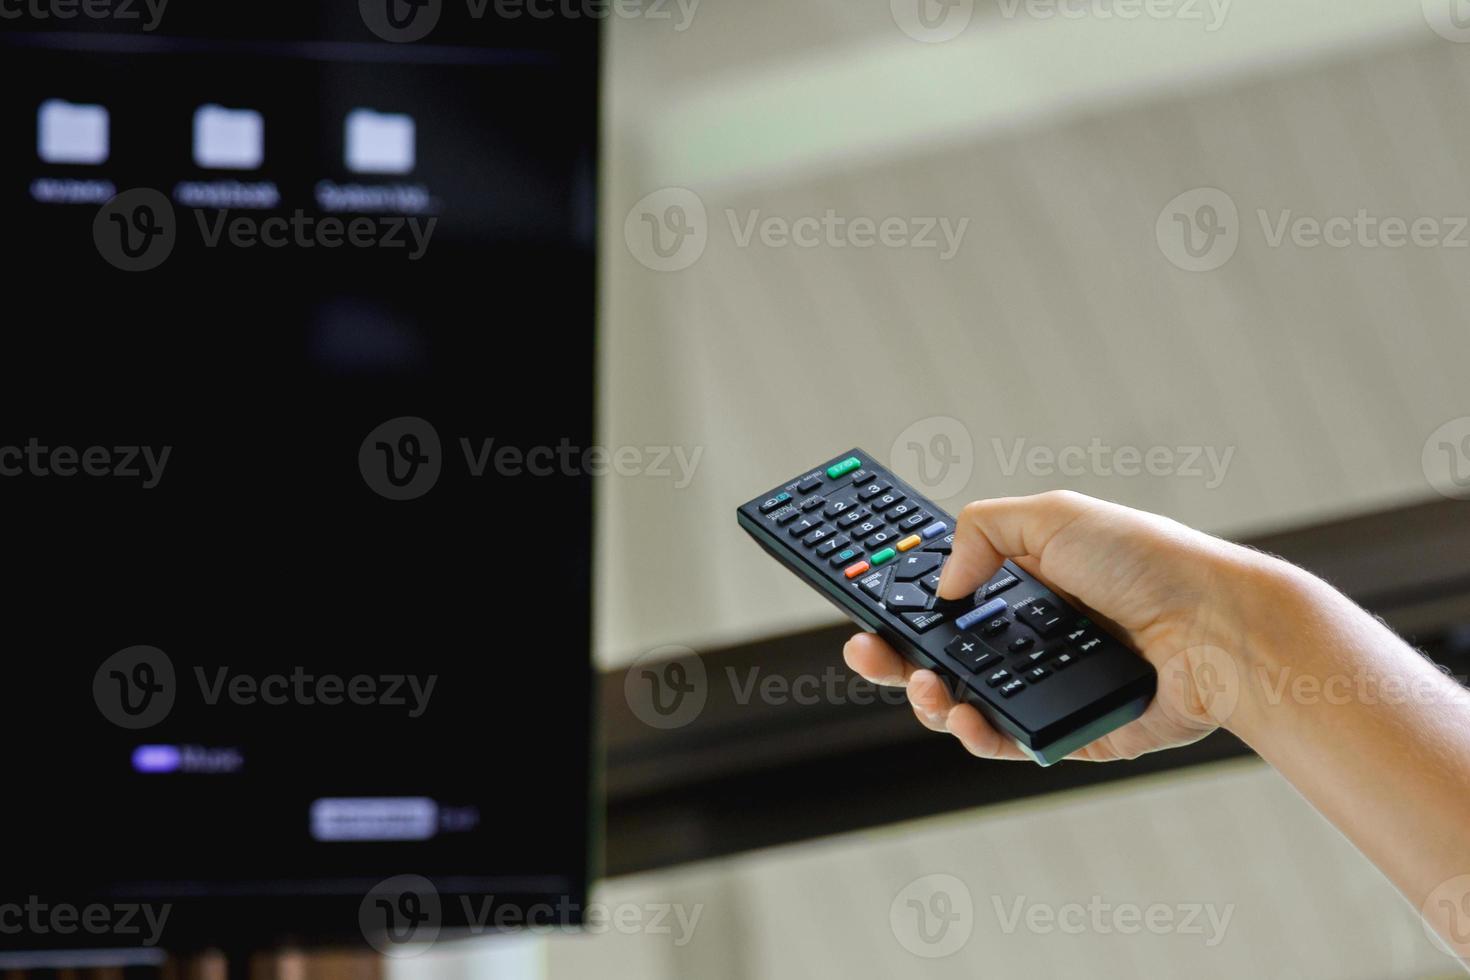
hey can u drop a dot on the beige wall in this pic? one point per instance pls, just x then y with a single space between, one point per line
1060 319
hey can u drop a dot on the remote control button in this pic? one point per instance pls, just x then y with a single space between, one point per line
841 503
997 626
885 555
912 522
1041 656
1013 688
1063 661
998 678
912 541
917 565
774 502
868 525
1089 644
1021 644
1036 674
846 466
832 544
905 596
845 556
786 515
992 608
872 490
888 535
965 647
876 583
943 545
861 476
809 484
819 535
804 525
902 511
809 503
887 500
1077 634
935 530
1041 616
930 582
999 585
853 571
853 516
922 621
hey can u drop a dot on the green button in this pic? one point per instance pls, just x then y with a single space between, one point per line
882 556
846 466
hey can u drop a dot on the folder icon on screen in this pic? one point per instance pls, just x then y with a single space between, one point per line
67 132
228 139
379 142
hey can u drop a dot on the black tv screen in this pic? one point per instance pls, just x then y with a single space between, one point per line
294 431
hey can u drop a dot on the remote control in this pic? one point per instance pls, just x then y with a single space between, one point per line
1035 668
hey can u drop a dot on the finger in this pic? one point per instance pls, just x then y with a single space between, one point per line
876 661
930 699
979 737
989 531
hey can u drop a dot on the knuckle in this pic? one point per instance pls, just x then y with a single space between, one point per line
1063 501
973 511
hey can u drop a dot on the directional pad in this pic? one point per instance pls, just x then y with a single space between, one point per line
917 564
906 596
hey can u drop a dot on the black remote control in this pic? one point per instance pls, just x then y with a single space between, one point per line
1036 668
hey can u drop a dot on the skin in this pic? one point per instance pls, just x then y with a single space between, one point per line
1368 730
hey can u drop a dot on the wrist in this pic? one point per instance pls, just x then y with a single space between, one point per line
1269 635
1301 646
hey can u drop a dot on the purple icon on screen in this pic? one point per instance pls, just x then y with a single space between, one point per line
157 758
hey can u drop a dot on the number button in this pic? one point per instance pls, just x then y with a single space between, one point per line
887 500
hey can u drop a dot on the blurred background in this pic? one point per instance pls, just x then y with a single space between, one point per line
1201 257
1082 148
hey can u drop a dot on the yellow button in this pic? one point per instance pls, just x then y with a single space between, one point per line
912 541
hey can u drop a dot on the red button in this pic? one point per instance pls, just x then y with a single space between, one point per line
854 570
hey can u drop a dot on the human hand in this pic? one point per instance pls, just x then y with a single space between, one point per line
1174 594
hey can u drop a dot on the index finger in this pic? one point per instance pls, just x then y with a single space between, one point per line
989 531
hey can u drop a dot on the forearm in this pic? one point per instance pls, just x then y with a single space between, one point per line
1368 730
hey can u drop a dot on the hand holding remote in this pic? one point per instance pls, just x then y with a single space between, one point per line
1175 594
1378 742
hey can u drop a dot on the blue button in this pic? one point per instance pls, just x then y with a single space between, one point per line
980 614
934 530
775 502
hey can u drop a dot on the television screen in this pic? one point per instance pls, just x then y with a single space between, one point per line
296 467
